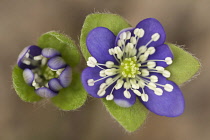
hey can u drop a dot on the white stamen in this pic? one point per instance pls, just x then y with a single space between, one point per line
109 97
141 83
144 56
155 36
90 82
109 64
127 94
128 47
158 91
43 61
134 84
139 32
102 86
27 62
109 80
168 60
39 57
160 69
117 50
151 50
154 78
119 84
166 73
168 87
151 64
92 62
111 71
59 71
144 97
127 85
102 73
142 49
133 40
128 35
144 72
123 36
137 92
101 92
34 83
151 86
111 51
27 55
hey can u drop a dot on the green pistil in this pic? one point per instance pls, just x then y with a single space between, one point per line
129 67
48 73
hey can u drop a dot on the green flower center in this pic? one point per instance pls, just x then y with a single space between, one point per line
43 74
129 67
49 73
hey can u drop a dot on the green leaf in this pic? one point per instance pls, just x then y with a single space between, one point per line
63 44
184 65
130 118
72 97
113 22
24 91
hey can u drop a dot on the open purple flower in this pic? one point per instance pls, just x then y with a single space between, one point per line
132 64
45 70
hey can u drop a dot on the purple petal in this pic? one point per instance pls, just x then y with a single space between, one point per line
56 63
93 73
33 51
121 100
50 52
170 104
151 26
28 76
54 85
45 92
161 53
99 41
66 77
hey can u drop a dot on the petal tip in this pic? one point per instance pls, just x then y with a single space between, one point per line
50 52
45 92
56 63
28 76
66 77
122 103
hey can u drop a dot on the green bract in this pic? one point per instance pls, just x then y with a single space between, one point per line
183 68
69 98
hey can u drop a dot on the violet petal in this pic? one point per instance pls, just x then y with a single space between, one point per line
50 52
45 92
66 76
170 104
54 85
33 51
56 63
99 41
28 76
150 27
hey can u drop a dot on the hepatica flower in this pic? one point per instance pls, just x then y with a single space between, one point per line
45 70
49 70
132 65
